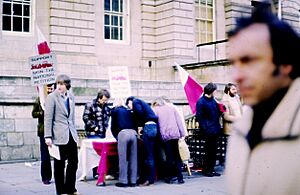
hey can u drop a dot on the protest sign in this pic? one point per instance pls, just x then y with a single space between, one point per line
119 82
43 69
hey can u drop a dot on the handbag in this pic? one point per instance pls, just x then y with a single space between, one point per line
183 150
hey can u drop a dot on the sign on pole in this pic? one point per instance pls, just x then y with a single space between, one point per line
43 69
119 81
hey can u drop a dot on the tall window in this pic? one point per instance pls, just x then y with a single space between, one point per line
16 15
113 19
204 21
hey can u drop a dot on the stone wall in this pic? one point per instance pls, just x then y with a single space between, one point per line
18 135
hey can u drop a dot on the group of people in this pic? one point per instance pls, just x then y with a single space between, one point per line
263 150
138 126
135 124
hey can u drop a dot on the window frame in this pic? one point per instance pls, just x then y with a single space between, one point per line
198 18
125 23
31 18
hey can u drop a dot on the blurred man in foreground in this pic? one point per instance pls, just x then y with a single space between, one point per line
264 148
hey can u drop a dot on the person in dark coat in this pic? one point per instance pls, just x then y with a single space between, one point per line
208 115
146 120
125 131
38 112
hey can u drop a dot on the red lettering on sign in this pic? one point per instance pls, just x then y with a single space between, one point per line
40 66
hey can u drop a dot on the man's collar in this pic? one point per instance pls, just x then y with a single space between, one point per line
281 122
64 95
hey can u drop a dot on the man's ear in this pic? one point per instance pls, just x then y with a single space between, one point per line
285 69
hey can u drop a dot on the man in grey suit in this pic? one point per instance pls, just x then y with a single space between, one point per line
60 130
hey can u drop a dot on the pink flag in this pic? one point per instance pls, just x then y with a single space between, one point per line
42 48
42 44
193 90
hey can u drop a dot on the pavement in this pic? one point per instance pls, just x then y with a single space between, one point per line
23 178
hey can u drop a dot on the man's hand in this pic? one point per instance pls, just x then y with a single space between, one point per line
140 129
96 129
48 142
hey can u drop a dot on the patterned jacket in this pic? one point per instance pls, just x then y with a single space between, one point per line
94 116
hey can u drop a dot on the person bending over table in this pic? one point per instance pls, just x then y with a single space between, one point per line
124 130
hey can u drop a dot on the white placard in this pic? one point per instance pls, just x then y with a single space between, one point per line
43 69
119 82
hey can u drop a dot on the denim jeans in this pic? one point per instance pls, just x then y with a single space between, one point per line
148 146
150 130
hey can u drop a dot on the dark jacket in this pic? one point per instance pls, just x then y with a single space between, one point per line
208 115
121 118
38 112
143 112
96 116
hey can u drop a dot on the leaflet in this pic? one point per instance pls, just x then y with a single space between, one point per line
54 151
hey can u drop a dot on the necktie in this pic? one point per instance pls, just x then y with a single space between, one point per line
67 103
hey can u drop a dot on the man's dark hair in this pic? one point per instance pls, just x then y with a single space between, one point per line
131 98
64 79
51 84
103 92
285 42
227 87
210 88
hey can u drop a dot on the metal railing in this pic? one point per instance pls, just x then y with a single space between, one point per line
209 54
196 143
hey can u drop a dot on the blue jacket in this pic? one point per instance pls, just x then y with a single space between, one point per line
143 112
208 115
121 118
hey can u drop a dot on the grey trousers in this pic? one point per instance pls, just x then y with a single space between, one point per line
127 150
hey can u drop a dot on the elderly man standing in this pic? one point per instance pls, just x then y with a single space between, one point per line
264 149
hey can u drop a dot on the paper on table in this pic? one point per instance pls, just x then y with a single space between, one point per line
54 151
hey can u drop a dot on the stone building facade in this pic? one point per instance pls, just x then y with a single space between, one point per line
88 36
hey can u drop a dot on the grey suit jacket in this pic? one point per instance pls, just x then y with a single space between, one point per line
58 123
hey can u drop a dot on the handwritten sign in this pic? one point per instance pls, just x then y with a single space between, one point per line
119 82
43 69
